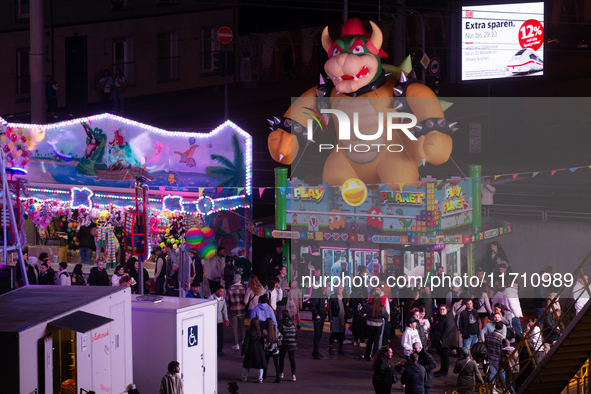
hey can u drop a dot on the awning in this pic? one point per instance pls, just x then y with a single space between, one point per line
80 321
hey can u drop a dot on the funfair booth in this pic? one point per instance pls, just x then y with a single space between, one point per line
142 185
65 339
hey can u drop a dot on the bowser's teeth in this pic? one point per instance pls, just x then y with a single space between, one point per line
281 157
356 79
423 161
340 79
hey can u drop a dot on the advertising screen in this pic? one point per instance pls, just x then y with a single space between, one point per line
502 41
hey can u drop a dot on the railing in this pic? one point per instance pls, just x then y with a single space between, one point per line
580 383
535 212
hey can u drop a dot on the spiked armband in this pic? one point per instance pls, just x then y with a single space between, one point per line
438 124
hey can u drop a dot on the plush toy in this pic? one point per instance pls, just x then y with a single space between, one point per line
356 82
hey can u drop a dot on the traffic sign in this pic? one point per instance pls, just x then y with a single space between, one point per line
425 61
435 66
225 35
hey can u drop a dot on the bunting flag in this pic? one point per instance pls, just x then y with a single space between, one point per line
553 172
220 189
240 190
261 191
282 191
401 186
201 189
535 173
476 180
573 169
161 188
496 176
515 176
439 182
421 184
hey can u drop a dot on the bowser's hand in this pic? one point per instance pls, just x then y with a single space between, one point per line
435 147
283 146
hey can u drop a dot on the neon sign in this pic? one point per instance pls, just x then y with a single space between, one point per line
81 197
410 198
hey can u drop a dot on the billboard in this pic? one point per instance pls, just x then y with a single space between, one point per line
502 41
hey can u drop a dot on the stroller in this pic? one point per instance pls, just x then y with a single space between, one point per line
479 354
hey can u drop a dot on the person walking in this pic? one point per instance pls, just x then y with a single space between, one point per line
374 314
272 338
318 307
289 343
428 362
263 310
413 377
106 85
254 290
468 373
494 344
222 317
243 265
253 351
229 272
383 376
120 85
410 336
468 325
236 311
337 308
442 333
171 382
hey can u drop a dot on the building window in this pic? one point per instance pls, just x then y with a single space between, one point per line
123 58
209 45
23 77
168 59
22 9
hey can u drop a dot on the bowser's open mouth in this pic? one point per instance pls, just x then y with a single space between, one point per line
363 73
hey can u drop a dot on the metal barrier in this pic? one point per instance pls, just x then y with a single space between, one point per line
580 383
535 213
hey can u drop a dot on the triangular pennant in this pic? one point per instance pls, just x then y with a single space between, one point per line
553 172
421 184
476 180
496 176
515 176
401 186
240 190
261 191
573 169
282 191
535 173
439 182
220 189
201 189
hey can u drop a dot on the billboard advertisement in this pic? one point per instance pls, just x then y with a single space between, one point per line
502 41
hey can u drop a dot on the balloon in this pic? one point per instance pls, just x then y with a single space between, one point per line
70 225
206 250
175 246
162 244
194 236
191 140
208 234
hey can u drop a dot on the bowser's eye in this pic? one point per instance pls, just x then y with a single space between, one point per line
336 52
358 49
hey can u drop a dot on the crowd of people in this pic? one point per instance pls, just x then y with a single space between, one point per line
480 325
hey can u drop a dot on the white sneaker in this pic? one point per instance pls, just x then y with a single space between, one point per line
293 379
235 347
243 378
281 375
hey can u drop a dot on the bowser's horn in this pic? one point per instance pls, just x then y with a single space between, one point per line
326 40
376 36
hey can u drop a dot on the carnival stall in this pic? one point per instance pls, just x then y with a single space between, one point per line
89 170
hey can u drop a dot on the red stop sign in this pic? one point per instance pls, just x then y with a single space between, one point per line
225 35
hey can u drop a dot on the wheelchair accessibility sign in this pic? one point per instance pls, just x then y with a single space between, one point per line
193 336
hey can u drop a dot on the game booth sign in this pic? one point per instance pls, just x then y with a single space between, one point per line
98 169
370 206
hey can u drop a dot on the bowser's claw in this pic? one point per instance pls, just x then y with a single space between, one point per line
281 157
283 146
423 161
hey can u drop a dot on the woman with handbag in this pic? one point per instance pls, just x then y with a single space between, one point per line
272 339
337 307
253 351
383 376
468 373
119 93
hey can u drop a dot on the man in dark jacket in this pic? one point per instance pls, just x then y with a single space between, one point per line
47 275
468 373
244 266
428 362
413 377
468 325
98 275
229 272
442 332
318 308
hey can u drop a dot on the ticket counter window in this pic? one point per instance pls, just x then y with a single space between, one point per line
369 259
414 263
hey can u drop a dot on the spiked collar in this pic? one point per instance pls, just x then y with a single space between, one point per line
368 88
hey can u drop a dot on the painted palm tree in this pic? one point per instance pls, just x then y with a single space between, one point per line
233 173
